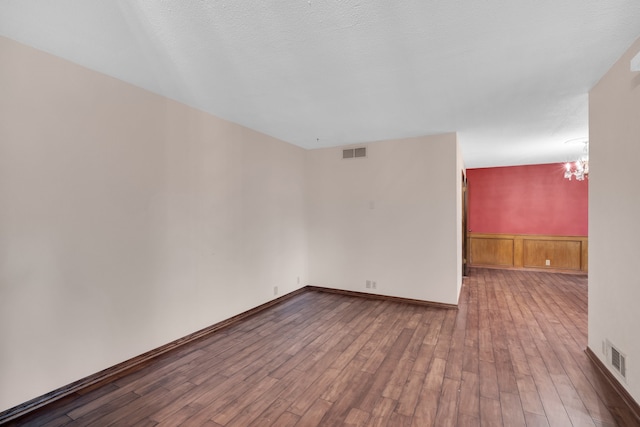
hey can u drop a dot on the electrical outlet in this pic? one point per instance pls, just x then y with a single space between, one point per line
275 290
547 262
373 285
368 284
298 280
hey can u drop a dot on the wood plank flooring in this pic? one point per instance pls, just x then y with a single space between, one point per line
512 355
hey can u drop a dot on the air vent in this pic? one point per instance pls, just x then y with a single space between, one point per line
351 153
635 63
617 360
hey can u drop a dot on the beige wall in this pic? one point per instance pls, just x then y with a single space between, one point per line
614 215
393 217
460 170
127 221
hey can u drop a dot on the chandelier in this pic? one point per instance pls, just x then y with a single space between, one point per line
579 168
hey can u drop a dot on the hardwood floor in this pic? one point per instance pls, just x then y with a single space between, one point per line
512 354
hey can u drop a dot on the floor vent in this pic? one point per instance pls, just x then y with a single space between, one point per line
351 153
617 360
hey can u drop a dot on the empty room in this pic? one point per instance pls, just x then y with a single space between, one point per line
319 213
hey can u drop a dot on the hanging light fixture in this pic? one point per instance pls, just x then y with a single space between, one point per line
579 168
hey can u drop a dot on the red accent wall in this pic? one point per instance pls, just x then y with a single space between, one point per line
531 199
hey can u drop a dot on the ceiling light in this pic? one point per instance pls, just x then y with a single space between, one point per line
579 168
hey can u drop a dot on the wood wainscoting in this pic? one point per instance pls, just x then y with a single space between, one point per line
563 253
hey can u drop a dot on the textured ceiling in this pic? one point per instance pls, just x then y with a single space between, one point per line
511 77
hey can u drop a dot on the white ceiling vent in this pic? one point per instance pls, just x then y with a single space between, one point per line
351 153
635 63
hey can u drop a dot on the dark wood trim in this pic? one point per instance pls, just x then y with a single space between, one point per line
109 374
491 250
613 381
512 236
533 269
383 297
